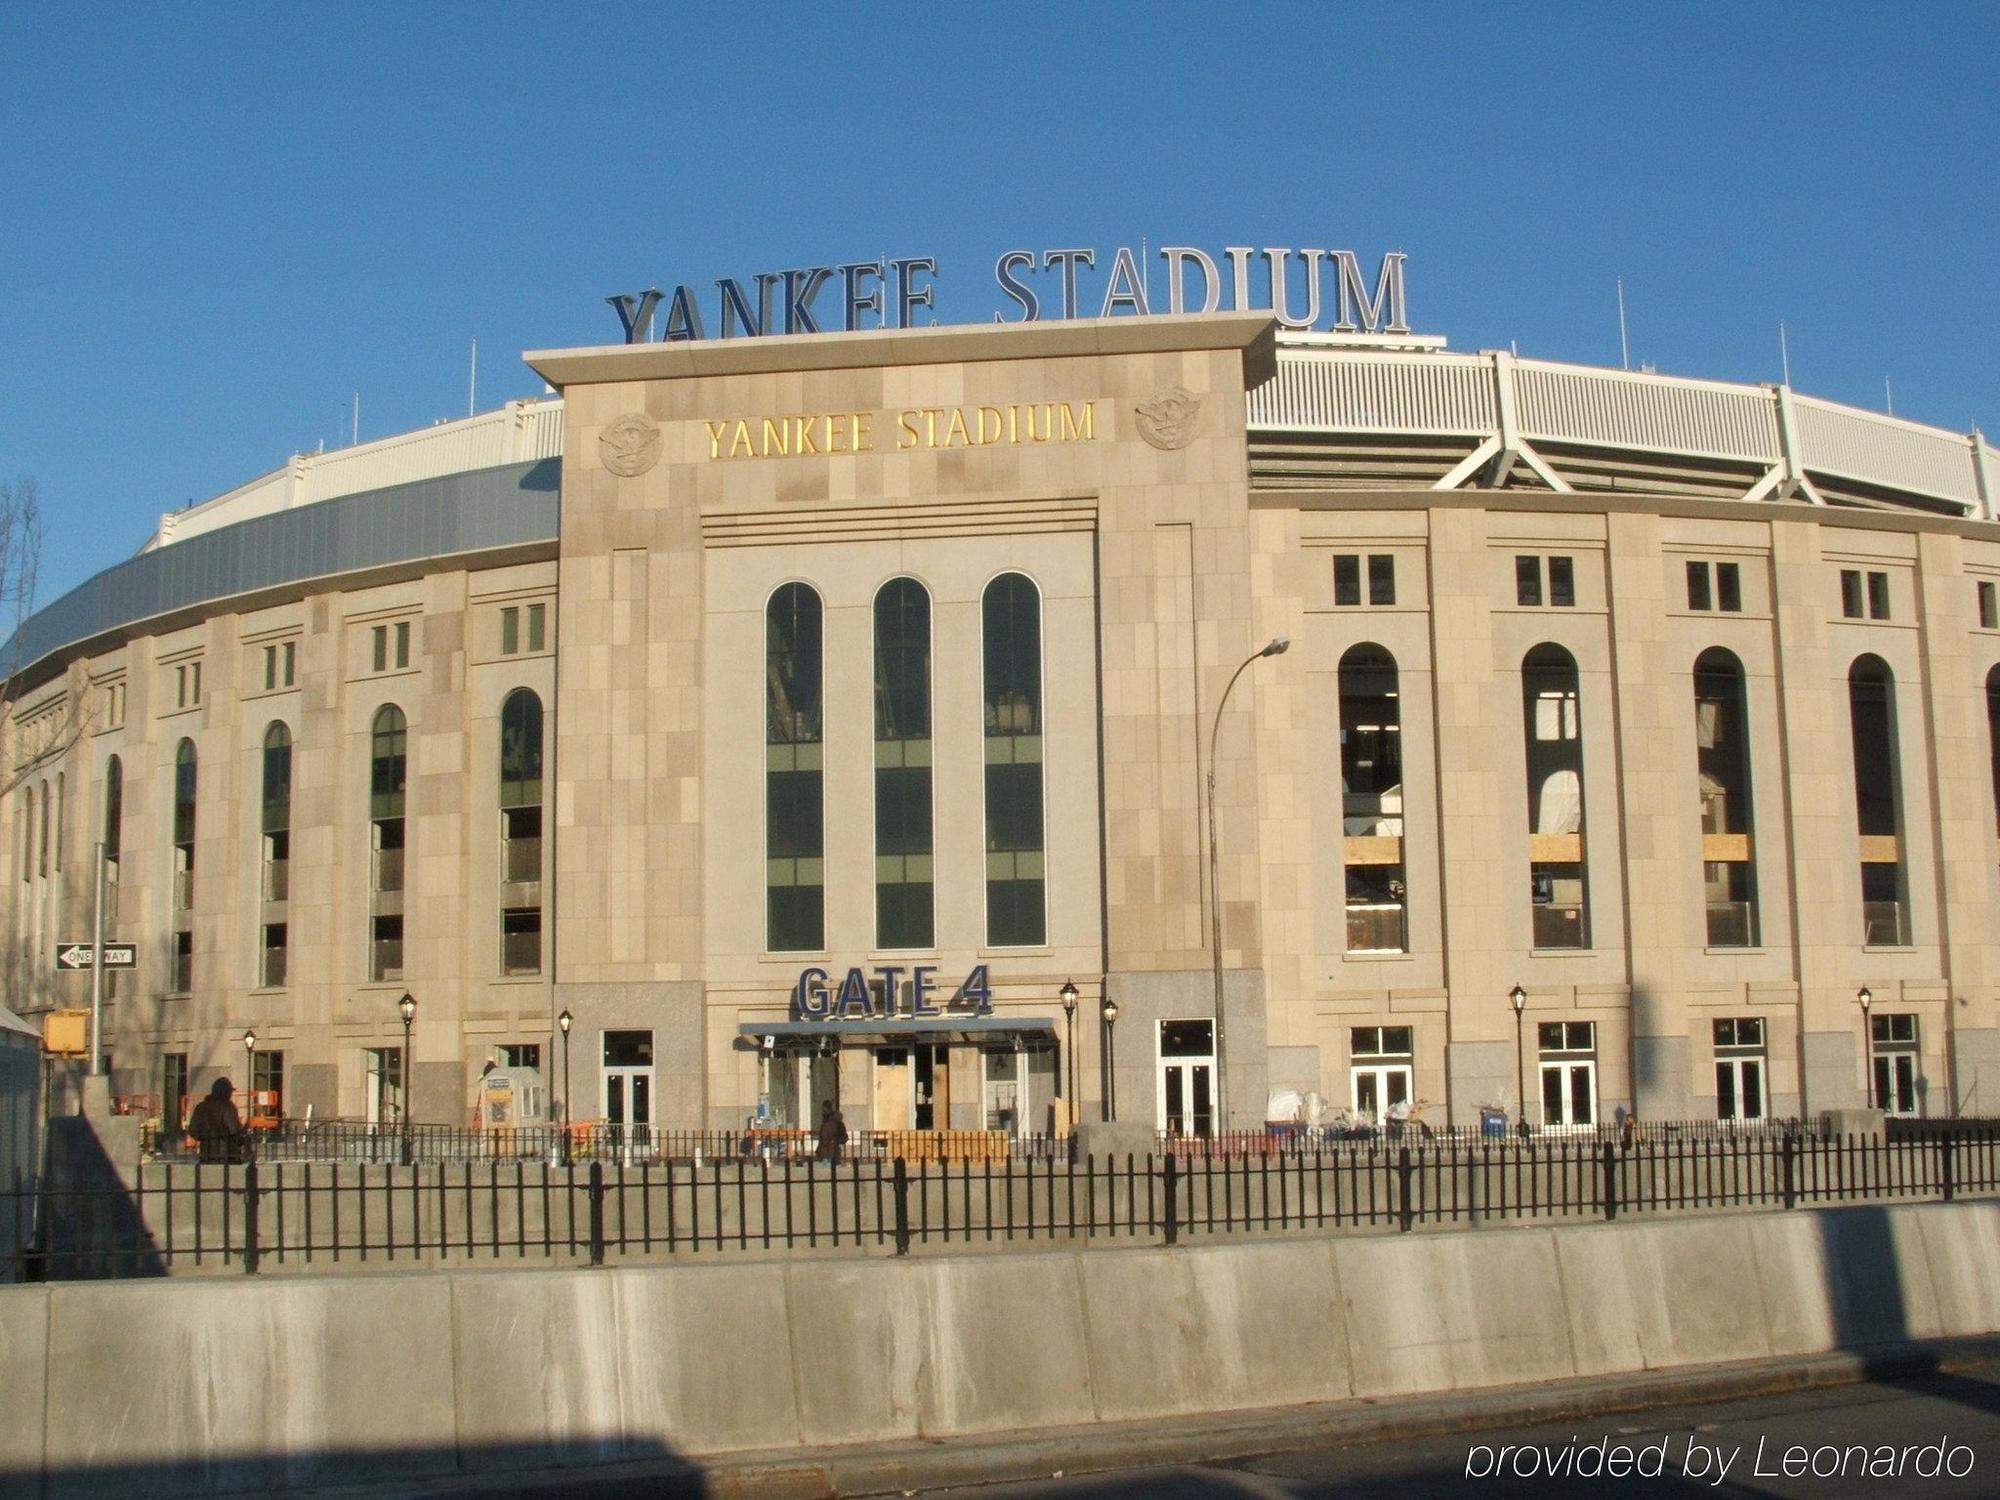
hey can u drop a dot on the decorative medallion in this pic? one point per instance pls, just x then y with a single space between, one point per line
1168 420
630 445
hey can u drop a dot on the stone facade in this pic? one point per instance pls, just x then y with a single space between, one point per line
1159 570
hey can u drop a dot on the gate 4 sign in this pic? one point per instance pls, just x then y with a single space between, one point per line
816 998
75 956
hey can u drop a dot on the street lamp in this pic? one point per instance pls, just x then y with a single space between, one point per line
1867 998
1109 1011
249 1073
1275 647
1518 997
565 1021
408 1007
1068 993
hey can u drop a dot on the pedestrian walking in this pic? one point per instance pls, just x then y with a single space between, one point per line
832 1133
217 1128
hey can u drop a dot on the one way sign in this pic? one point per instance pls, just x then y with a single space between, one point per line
79 955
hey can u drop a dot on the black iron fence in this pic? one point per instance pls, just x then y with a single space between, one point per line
263 1216
588 1141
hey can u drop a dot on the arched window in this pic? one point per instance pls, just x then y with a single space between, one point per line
794 773
277 832
1371 800
388 777
180 980
521 833
1551 712
904 910
1722 756
1016 912
1878 780
114 811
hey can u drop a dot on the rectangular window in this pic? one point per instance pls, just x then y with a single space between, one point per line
270 668
267 1089
1698 591
1878 596
521 1055
272 973
402 644
1381 578
173 1091
1562 582
537 625
1729 587
1989 608
291 664
380 636
1381 1041
1527 580
385 956
1346 578
521 941
510 630
181 980
1850 593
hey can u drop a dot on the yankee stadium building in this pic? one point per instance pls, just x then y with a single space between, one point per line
811 705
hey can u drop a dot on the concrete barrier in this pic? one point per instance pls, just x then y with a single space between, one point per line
204 1386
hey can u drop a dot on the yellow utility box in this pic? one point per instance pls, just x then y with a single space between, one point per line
66 1033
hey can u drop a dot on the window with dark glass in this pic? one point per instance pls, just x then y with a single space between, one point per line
1878 596
1993 736
1371 801
521 833
904 908
1895 1061
1871 702
1699 595
1729 587
1381 578
1850 593
184 786
1562 582
1989 606
388 780
114 835
277 834
794 772
1527 580
1722 761
1346 578
1551 711
1016 907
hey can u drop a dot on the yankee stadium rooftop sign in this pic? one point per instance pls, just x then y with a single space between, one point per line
1302 289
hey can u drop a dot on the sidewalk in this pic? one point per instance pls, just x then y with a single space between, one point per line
872 1469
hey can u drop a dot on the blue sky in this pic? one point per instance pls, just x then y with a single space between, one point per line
224 221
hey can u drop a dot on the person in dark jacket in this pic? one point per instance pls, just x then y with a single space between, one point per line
832 1132
217 1128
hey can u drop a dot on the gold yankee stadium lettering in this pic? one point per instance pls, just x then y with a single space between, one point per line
807 435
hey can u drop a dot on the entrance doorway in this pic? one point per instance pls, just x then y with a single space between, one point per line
628 1088
1187 1077
912 1087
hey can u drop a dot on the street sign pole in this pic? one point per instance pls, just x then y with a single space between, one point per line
97 975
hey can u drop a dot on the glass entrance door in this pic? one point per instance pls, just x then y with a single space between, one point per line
628 1090
1377 1087
1187 1077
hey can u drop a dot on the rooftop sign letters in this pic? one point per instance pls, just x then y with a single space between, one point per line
1302 289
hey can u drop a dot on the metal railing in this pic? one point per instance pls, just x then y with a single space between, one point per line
1375 929
1885 924
277 880
520 953
523 859
1732 924
264 1215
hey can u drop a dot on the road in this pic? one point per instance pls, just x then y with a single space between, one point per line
1897 1423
